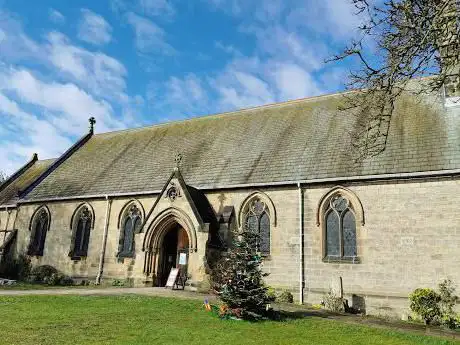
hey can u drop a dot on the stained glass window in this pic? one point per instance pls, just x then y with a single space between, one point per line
131 225
257 220
349 234
332 234
340 229
40 225
82 224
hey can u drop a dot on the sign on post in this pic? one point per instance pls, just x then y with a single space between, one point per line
175 279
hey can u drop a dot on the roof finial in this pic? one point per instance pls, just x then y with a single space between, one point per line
92 122
178 160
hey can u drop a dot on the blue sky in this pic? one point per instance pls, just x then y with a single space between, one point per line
141 62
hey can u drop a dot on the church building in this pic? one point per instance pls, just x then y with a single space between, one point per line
132 204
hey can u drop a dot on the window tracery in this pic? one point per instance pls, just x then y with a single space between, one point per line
257 220
39 228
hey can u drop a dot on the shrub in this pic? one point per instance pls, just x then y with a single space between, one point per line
447 304
332 302
58 279
271 292
118 282
42 274
285 297
425 302
16 268
66 280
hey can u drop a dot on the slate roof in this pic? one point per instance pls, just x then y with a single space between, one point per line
9 191
298 140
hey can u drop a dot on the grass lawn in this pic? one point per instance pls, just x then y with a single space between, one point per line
41 320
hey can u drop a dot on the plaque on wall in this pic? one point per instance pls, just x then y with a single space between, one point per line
183 259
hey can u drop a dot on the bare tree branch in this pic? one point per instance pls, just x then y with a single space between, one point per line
413 38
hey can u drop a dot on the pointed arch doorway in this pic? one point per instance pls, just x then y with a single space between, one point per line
174 247
170 237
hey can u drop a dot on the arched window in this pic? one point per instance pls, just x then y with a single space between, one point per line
340 229
81 229
257 219
131 224
39 227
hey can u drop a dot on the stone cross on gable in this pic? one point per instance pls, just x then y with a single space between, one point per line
178 160
92 122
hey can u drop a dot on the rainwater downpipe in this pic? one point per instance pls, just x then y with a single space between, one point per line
104 240
6 223
301 244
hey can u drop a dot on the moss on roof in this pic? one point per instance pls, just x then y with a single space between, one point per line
9 194
305 139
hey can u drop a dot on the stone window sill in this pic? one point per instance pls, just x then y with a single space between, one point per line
122 256
78 258
343 259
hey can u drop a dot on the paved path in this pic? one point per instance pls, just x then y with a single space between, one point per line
148 291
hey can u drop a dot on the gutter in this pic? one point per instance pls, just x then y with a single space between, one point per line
104 240
375 178
301 244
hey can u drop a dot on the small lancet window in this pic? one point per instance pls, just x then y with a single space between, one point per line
131 226
82 228
340 223
257 220
39 228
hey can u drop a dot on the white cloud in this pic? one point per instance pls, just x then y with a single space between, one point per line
162 8
334 18
56 16
42 136
100 73
71 104
93 28
293 82
180 97
48 90
227 48
16 45
150 38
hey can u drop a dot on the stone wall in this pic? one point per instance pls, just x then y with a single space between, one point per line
410 239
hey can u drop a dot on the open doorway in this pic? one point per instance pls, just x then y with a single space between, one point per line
174 250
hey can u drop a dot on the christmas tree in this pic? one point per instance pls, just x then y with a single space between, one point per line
238 279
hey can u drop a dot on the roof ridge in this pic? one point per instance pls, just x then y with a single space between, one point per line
47 160
18 173
232 112
57 162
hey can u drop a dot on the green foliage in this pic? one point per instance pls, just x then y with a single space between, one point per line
425 302
271 292
58 279
447 304
333 303
238 278
437 307
49 275
42 274
118 282
16 268
285 297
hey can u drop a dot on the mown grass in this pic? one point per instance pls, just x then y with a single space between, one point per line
153 320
